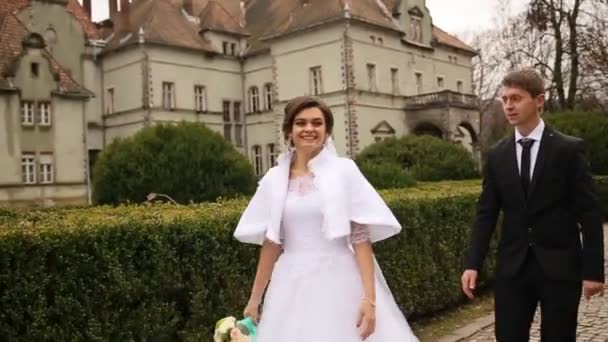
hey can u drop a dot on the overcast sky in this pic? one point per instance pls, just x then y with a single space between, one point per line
454 16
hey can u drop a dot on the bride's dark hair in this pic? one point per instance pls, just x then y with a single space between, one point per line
300 103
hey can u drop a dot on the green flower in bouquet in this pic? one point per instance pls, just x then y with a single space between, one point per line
228 329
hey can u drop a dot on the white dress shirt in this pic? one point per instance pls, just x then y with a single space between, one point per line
536 135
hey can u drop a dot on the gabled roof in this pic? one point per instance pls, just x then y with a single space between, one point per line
447 39
216 18
164 21
12 34
72 7
80 14
383 127
158 22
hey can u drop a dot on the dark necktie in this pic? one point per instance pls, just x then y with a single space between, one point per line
526 145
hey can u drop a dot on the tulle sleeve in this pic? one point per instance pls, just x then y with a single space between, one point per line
368 208
359 233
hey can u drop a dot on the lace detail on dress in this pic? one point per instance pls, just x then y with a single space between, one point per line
358 233
301 185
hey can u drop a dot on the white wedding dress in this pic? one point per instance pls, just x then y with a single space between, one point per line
315 289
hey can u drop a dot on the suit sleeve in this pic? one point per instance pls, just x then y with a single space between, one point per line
487 215
589 217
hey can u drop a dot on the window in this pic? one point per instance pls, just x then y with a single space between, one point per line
254 100
257 160
44 109
35 69
416 29
238 124
272 155
28 168
50 37
373 39
268 96
237 112
377 139
460 87
395 80
419 88
316 81
238 134
110 101
380 41
227 121
200 99
46 168
440 83
371 76
168 95
225 47
233 49
93 156
27 113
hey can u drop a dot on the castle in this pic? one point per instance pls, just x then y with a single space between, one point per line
69 86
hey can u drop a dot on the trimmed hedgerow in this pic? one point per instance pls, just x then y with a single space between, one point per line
162 272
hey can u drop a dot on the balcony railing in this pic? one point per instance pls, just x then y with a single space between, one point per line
441 98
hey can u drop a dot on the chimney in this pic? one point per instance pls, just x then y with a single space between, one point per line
86 4
188 7
125 16
113 10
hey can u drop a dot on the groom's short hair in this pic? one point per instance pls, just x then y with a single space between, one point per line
526 79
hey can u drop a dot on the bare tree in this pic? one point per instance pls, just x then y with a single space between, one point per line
565 40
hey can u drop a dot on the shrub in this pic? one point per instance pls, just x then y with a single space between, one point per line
187 162
601 187
427 158
590 126
162 272
387 175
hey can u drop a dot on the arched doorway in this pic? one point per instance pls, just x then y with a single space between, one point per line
427 128
466 136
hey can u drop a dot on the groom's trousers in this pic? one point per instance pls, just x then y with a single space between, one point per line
517 297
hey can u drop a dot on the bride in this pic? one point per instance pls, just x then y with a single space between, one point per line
316 217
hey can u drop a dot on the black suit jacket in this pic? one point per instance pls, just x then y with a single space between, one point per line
560 211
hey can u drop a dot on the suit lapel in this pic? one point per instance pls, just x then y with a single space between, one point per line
544 151
513 169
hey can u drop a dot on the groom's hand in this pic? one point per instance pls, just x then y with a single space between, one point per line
591 288
469 281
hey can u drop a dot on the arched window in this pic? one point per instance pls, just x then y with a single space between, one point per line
254 100
257 159
268 96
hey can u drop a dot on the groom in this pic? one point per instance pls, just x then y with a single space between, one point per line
551 245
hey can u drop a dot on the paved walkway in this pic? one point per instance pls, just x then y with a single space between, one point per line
592 321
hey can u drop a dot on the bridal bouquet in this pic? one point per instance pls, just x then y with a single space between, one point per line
228 329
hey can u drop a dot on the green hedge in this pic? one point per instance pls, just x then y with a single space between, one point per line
168 273
387 175
590 126
187 162
601 186
425 157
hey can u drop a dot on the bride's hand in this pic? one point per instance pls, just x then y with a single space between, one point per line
252 310
367 319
